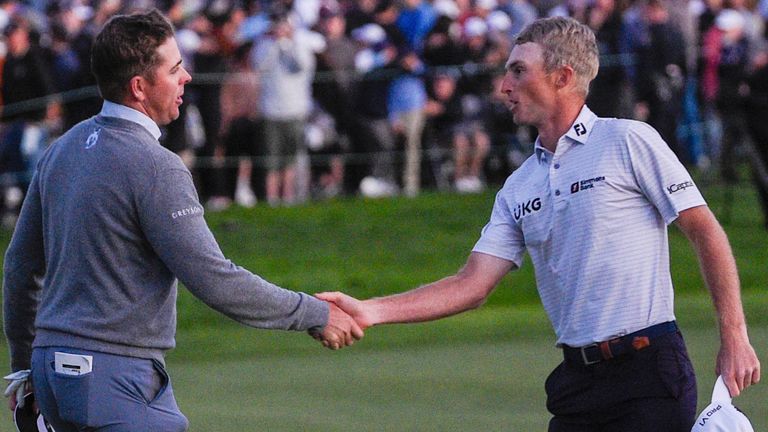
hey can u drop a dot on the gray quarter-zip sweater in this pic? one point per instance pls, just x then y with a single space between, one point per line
111 219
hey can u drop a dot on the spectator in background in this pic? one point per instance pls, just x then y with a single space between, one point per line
443 119
185 135
210 58
661 72
472 143
415 21
521 12
374 61
499 24
406 100
754 25
728 53
285 60
483 8
360 14
756 115
240 126
604 18
441 45
514 142
706 74
26 78
386 15
70 45
333 91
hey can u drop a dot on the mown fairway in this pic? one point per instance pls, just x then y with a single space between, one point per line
479 371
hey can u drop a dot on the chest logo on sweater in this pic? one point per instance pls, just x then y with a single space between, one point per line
93 138
526 208
586 184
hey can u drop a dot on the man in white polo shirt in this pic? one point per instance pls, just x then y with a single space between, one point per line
591 208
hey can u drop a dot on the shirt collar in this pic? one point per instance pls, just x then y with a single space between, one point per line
111 109
578 132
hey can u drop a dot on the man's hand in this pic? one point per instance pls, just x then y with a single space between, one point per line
341 330
354 307
738 364
18 385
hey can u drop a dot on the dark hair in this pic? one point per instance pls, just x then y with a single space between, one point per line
127 47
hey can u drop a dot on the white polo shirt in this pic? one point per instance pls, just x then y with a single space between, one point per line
593 219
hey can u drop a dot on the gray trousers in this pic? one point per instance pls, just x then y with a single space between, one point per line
121 394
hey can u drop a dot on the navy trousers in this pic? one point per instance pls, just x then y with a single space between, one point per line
121 394
651 390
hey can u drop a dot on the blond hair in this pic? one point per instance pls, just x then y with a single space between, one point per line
565 42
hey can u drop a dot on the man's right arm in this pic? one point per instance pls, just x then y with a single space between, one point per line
172 220
467 289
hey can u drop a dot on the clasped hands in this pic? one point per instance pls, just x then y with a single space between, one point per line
346 321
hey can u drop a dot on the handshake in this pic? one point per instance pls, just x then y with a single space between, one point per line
347 319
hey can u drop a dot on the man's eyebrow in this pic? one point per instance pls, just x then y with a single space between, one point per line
511 65
177 65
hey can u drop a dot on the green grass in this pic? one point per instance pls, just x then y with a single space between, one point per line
483 370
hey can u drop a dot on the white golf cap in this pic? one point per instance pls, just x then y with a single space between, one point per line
447 8
475 26
721 415
499 21
729 19
370 34
487 4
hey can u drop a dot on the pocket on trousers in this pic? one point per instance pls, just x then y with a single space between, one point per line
165 382
675 371
72 396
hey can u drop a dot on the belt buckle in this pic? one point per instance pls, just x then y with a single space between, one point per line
587 361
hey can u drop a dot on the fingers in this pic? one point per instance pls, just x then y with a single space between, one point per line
12 402
340 331
732 385
738 377
333 297
356 331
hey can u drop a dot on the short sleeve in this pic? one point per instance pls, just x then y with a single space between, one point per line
659 174
501 237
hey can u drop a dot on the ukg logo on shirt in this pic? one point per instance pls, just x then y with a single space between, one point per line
528 207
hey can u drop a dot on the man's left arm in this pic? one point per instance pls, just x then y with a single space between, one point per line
736 361
23 270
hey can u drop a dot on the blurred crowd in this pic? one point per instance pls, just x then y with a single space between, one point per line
305 99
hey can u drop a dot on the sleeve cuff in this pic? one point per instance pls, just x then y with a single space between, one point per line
316 313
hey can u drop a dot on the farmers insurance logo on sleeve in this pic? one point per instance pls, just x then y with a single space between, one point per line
677 187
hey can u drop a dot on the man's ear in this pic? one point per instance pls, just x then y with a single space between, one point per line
137 87
564 77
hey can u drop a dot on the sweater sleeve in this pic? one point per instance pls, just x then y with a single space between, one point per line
172 219
24 268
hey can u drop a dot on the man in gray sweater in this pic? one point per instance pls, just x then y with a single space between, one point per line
111 220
